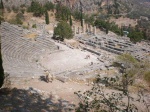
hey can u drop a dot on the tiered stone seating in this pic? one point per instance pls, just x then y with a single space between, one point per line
110 44
19 52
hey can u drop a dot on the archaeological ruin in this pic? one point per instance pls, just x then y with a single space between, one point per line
29 57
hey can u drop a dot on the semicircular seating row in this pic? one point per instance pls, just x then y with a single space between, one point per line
19 54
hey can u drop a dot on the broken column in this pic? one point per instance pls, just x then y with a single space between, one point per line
75 30
83 27
102 43
90 30
78 30
43 28
94 30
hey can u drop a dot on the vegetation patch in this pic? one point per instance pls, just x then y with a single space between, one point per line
147 77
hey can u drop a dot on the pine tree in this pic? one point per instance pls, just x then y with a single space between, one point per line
46 17
70 21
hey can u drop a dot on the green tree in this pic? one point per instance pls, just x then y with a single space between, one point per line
36 8
135 36
70 21
1 11
46 17
2 5
62 31
49 6
77 15
1 69
62 12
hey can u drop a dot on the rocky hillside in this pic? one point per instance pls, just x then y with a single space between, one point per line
88 5
17 3
124 6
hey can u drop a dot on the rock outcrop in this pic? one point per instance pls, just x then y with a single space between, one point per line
87 5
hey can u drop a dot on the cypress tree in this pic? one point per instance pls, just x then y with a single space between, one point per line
107 27
122 31
46 17
81 19
107 30
70 21
81 16
1 5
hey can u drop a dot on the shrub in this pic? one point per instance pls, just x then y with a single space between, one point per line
16 21
25 27
147 77
34 26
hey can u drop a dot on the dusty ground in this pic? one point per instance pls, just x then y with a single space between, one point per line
61 90
67 59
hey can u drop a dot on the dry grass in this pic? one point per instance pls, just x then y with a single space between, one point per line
124 21
31 35
9 16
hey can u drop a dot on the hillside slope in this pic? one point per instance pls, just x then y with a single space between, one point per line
141 7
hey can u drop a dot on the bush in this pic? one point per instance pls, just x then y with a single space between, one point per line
25 27
135 36
147 77
1 19
34 26
16 21
22 11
